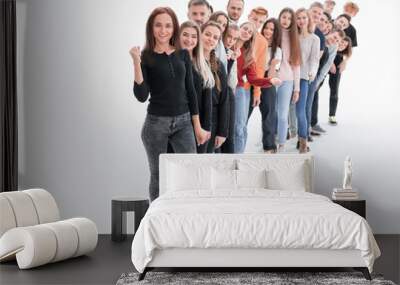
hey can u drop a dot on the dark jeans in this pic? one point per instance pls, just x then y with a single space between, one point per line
334 81
314 110
229 145
251 108
157 132
268 117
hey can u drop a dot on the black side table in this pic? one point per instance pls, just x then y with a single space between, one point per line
119 207
357 206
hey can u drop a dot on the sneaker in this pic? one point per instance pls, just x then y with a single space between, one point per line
309 139
318 129
332 120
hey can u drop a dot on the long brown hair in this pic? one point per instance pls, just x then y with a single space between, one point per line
214 17
295 53
276 36
150 40
248 46
347 52
214 64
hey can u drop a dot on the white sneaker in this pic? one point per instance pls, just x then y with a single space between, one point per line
332 120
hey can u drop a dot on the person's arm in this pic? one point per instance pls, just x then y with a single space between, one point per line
325 69
189 84
354 41
275 63
140 88
314 59
233 78
261 57
253 79
201 135
296 79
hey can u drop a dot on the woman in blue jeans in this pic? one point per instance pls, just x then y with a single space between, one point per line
272 33
165 73
309 44
246 71
289 72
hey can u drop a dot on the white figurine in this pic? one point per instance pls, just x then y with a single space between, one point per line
348 172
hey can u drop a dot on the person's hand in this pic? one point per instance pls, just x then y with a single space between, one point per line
295 97
219 141
275 81
236 53
230 54
311 77
332 69
202 136
135 54
342 66
256 101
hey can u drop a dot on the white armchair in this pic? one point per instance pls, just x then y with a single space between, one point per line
31 230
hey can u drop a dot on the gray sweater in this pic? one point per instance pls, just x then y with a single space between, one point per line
309 56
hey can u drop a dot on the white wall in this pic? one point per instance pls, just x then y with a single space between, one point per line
79 124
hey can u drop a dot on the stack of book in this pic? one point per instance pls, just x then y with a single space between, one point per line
345 194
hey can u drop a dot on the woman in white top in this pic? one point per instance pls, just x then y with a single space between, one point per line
272 32
309 44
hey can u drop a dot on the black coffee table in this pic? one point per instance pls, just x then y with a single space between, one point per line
119 207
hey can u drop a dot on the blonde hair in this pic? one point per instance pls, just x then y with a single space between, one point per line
310 27
199 61
249 46
214 63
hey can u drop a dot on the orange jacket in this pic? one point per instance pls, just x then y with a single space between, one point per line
260 50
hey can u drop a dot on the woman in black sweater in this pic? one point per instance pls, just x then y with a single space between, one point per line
343 54
189 39
210 36
165 73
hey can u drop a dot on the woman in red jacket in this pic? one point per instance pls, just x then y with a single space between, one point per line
246 71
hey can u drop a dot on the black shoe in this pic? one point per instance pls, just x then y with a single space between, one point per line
298 145
314 133
310 139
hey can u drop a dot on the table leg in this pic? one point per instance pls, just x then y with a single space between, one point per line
118 222
140 211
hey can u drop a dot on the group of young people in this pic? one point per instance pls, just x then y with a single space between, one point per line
204 77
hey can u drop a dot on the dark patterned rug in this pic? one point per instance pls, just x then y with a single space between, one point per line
244 278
